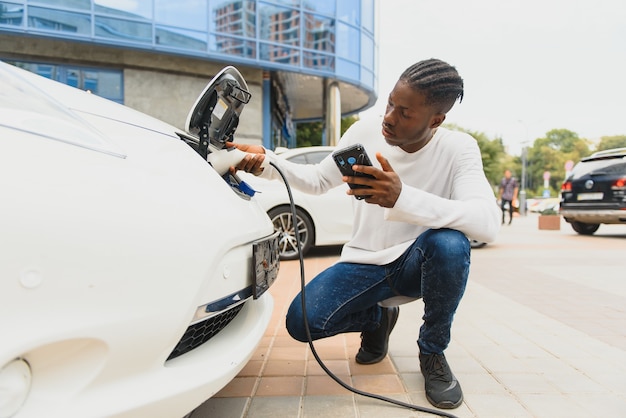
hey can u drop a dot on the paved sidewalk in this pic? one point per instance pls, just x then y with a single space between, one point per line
541 332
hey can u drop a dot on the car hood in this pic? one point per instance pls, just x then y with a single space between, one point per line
34 104
83 176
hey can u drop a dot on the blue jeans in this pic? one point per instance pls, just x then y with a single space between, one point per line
345 296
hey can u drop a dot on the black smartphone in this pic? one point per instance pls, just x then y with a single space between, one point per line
347 157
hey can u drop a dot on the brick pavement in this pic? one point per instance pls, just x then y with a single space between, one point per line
541 332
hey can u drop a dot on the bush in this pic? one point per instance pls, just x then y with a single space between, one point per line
549 211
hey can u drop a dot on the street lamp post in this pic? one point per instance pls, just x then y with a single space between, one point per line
522 193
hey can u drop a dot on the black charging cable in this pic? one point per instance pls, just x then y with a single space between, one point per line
294 220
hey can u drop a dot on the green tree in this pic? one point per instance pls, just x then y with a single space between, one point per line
310 134
550 154
347 122
495 159
608 142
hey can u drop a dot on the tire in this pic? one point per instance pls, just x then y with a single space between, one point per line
282 219
583 228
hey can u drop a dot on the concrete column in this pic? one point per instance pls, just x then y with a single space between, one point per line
267 111
333 112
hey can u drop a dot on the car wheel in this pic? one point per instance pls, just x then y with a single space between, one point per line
583 228
283 223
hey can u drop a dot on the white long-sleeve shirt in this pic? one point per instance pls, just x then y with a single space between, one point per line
443 186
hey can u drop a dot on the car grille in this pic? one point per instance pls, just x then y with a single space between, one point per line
201 332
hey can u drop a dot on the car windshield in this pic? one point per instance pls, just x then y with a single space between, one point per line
606 166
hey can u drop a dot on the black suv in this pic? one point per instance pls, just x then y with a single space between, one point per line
595 192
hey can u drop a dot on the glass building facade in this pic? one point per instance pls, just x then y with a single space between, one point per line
296 42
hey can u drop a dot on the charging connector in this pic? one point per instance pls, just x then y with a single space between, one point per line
308 331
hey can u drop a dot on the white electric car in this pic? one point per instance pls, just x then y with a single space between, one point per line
132 274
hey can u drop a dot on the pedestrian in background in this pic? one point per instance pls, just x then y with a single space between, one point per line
507 194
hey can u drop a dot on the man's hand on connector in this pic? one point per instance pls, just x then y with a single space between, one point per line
251 162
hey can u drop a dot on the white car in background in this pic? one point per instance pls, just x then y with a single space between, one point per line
127 290
322 220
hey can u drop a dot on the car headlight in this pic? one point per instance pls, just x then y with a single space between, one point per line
15 380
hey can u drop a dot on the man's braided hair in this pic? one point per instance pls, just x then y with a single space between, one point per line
437 80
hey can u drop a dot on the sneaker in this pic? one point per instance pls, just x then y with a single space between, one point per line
442 388
374 344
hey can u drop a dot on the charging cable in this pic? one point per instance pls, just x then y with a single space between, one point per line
308 332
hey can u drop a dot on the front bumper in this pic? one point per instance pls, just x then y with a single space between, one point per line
595 216
170 389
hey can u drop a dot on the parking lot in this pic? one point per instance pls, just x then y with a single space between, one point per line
541 332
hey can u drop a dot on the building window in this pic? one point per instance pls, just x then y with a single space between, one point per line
234 28
326 7
180 38
319 33
123 30
59 21
124 9
367 52
11 14
349 11
75 4
348 45
101 82
367 15
187 14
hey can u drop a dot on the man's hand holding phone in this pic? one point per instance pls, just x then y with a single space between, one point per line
346 159
381 187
